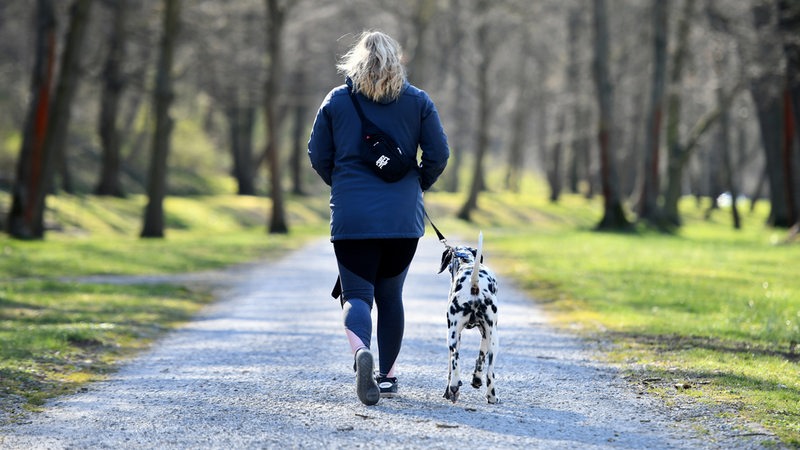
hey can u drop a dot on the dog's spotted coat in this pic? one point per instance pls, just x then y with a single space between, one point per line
471 306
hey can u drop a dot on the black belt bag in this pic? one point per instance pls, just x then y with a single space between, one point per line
379 151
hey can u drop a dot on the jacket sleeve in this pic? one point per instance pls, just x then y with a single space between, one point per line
321 149
433 143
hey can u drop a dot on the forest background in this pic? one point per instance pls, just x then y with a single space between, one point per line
640 102
638 105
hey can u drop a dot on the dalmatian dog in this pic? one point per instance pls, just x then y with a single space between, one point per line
473 304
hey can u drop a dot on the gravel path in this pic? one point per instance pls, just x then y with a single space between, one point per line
268 366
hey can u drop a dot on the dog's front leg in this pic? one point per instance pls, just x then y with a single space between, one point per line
454 327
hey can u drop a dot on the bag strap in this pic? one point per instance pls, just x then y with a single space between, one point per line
360 111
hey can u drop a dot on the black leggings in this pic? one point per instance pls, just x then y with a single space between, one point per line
375 269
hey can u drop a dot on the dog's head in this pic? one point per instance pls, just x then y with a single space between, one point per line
454 257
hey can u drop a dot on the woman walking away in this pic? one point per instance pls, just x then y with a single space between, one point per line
375 224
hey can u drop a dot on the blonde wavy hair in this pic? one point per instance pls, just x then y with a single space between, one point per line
375 65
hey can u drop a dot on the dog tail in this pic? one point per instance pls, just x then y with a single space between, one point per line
476 269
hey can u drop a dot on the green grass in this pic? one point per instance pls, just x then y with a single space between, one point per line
710 306
56 334
100 236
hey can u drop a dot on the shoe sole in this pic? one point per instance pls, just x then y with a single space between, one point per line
366 387
388 393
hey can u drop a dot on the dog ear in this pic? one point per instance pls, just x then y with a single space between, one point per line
447 256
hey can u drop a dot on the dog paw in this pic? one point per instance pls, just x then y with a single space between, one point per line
491 397
476 382
451 392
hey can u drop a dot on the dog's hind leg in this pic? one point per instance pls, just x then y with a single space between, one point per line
491 394
478 373
454 327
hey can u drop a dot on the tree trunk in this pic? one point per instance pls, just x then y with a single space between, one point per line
789 26
23 222
247 123
584 151
299 133
613 214
274 27
113 84
573 80
768 109
63 168
139 134
790 159
727 160
675 152
630 159
554 173
484 116
758 190
516 152
66 86
541 134
241 120
162 99
458 141
712 176
516 149
648 202
232 117
455 65
53 151
766 89
716 158
420 23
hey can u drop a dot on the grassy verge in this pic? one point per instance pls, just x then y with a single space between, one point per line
100 236
56 335
711 313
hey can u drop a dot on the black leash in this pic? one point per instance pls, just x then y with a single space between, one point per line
439 234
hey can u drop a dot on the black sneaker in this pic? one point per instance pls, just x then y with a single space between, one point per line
387 386
366 387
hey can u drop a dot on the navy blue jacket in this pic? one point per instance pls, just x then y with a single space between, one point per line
363 206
